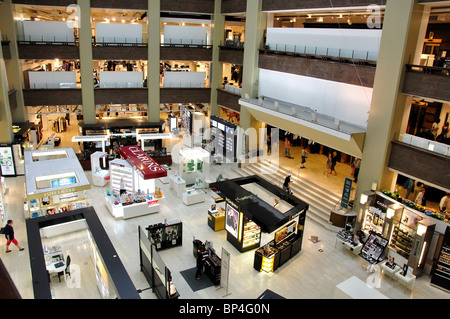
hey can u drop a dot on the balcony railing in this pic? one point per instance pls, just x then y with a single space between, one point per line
191 43
306 114
46 40
119 41
342 55
444 71
232 89
43 86
234 44
423 143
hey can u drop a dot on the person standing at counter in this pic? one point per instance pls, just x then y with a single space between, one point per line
444 204
200 261
9 234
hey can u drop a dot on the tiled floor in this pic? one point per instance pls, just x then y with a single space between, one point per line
312 274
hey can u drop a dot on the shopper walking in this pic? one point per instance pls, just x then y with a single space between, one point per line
304 156
200 261
328 165
9 234
333 163
356 165
287 184
287 148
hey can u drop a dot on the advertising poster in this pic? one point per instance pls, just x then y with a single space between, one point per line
232 221
7 161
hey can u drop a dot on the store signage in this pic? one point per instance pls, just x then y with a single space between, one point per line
345 200
152 203
144 164
7 161
58 192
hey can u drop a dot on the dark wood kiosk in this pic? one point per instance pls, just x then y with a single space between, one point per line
247 216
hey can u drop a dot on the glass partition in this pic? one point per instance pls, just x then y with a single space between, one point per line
429 145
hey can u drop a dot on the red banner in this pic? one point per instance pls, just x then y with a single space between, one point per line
145 165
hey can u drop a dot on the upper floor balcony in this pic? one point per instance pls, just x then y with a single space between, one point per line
422 159
427 82
276 5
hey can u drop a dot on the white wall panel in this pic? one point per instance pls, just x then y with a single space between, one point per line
346 102
52 80
184 79
118 33
185 34
345 41
119 79
47 31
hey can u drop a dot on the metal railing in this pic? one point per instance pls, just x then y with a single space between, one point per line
332 53
423 143
445 70
47 40
191 43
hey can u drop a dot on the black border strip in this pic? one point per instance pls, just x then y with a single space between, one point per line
41 286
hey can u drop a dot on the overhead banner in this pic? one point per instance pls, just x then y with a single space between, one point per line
146 166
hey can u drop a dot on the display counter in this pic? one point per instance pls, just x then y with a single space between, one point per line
55 182
216 219
99 175
137 173
167 235
135 209
402 228
193 196
178 184
286 244
247 216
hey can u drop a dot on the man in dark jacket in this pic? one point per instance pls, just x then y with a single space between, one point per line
9 234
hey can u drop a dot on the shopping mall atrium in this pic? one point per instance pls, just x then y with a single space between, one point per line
225 149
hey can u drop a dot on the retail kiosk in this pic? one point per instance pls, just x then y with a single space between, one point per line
99 174
166 235
139 173
247 216
55 182
405 231
193 167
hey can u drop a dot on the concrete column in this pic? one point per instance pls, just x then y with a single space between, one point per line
254 32
6 135
154 47
216 67
13 67
86 64
401 31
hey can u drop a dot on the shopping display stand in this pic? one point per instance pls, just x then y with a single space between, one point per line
166 235
139 172
99 175
194 166
247 216
55 182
